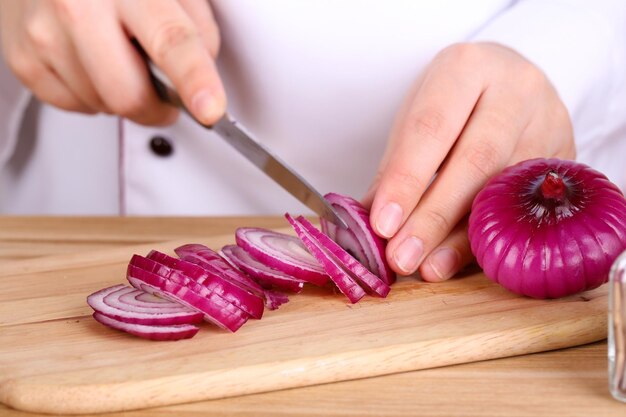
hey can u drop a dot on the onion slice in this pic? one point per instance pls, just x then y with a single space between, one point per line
282 252
370 282
346 284
215 309
213 282
210 260
262 273
359 238
172 332
122 303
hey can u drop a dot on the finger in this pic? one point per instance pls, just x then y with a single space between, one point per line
200 13
436 117
53 46
484 148
44 83
27 66
449 257
118 73
173 42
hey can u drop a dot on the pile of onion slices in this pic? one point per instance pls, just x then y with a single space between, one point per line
169 296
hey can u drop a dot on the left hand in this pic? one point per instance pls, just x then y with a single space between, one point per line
478 108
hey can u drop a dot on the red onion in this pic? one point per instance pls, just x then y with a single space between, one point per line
370 282
134 306
172 332
359 238
215 309
213 282
212 261
547 228
202 252
262 273
335 269
282 252
180 278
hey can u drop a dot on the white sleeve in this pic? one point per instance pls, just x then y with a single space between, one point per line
14 99
580 46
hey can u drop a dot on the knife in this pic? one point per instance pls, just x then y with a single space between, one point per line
240 139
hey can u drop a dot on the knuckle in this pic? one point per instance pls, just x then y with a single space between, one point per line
213 41
483 160
499 119
127 105
464 53
39 34
170 35
407 184
428 125
531 79
68 10
438 221
22 65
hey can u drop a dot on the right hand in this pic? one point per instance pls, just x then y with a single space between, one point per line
77 55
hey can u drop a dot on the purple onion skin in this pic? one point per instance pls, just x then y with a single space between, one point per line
548 241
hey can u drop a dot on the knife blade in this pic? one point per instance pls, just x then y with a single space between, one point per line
236 135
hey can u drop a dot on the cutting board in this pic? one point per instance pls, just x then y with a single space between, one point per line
54 358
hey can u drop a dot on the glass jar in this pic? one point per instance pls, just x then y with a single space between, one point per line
617 328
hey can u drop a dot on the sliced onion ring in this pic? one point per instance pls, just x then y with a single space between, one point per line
213 261
370 282
120 303
210 260
215 309
346 284
282 252
215 282
173 332
359 234
264 274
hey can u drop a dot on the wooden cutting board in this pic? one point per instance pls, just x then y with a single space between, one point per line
55 358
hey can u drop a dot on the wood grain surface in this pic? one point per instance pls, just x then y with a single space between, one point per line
572 380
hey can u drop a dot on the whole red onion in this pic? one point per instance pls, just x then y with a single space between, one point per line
547 228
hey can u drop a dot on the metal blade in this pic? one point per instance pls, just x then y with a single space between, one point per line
233 133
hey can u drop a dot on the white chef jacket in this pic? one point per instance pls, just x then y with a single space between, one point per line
318 82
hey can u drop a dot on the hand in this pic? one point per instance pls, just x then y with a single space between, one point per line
477 109
77 55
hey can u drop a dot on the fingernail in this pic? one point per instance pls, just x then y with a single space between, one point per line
389 219
444 262
202 105
408 254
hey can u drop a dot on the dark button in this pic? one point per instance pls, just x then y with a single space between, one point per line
161 146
